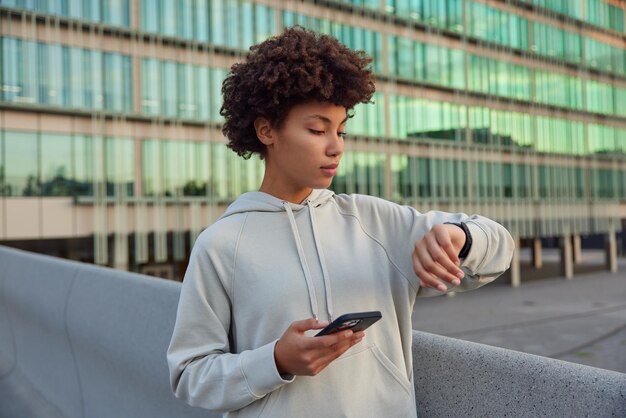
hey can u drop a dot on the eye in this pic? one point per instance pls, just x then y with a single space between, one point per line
316 132
342 134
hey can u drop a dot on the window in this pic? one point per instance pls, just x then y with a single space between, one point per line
21 170
20 71
111 12
119 166
117 83
57 174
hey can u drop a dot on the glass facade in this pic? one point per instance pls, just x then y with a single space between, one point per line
515 109
181 90
46 164
233 24
109 12
60 76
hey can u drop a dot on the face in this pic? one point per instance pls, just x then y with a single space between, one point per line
304 153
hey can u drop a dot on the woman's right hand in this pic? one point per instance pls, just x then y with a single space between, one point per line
298 354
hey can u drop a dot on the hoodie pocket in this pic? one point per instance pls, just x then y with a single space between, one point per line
361 383
392 369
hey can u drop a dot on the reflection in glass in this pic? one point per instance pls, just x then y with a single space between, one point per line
56 75
119 166
57 177
83 165
111 12
117 79
151 167
22 167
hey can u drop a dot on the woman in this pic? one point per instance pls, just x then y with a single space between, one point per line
284 261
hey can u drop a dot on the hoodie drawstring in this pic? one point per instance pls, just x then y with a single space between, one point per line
320 252
305 266
303 263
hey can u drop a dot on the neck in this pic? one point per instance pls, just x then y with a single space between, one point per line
292 196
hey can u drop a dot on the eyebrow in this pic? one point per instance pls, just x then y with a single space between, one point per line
324 118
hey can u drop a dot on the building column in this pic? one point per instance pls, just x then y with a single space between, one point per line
611 252
576 254
567 264
516 278
536 253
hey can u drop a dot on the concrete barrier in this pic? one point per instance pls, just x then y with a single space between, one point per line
83 341
78 340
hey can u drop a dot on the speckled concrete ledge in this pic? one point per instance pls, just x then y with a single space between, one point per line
455 378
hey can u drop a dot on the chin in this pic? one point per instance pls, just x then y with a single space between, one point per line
325 184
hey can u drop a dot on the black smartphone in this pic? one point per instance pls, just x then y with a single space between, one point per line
357 321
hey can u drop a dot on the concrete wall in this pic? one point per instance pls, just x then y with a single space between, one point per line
82 341
78 340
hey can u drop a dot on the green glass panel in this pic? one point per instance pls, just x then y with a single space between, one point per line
185 21
21 170
173 164
169 84
119 166
150 86
187 92
168 17
151 168
150 12
115 12
266 22
51 74
117 79
57 176
83 165
203 92
201 20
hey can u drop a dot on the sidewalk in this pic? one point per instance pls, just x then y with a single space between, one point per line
582 320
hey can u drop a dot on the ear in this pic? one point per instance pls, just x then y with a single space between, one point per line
264 131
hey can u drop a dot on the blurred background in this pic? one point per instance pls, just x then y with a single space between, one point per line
111 150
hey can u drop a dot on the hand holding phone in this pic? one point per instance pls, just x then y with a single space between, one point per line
357 321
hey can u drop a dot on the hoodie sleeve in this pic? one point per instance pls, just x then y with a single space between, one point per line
203 370
399 227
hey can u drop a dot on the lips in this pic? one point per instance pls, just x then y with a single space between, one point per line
330 170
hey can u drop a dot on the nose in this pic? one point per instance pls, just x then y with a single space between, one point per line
335 145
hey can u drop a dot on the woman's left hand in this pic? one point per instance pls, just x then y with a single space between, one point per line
435 257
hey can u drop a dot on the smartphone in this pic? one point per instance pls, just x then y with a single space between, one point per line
357 321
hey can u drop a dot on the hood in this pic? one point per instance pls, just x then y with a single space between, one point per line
263 202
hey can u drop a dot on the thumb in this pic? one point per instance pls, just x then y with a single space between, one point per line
307 324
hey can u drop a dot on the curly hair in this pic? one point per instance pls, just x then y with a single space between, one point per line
295 67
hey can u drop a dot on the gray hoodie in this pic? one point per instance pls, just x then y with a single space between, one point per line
266 263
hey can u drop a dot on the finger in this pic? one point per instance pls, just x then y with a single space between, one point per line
328 354
443 267
433 283
332 339
348 341
307 324
442 235
418 267
335 351
433 269
426 279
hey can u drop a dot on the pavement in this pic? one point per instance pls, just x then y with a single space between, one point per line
582 320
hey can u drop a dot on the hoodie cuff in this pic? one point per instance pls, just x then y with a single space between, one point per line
478 251
259 369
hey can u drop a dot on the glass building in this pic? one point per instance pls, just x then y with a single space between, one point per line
110 143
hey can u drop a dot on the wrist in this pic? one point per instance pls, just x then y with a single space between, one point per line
277 359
